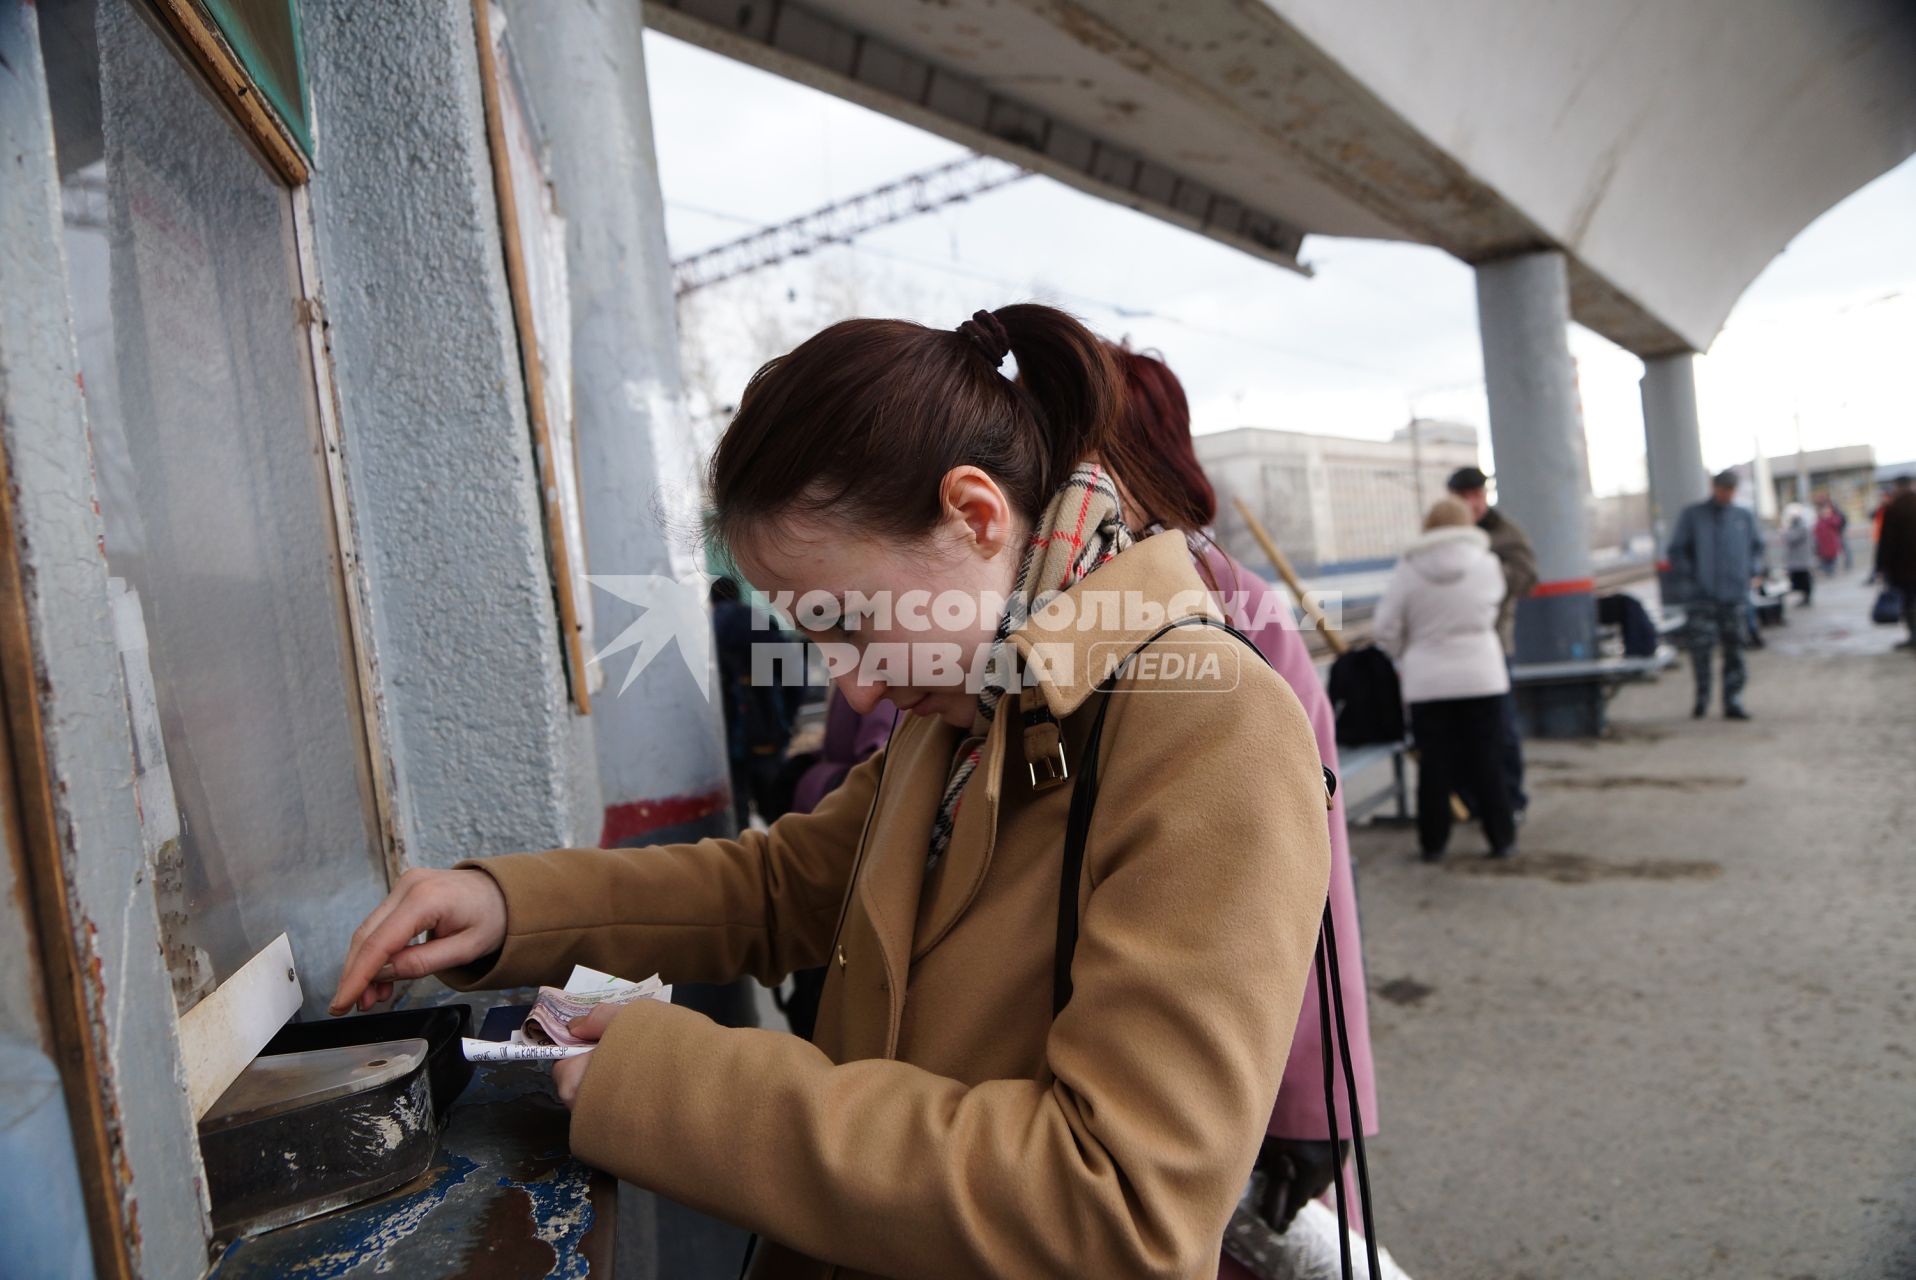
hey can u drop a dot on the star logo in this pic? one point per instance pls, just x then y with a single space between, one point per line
673 609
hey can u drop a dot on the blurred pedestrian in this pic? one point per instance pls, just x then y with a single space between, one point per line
1896 551
1876 531
1519 564
1165 487
1799 553
1829 537
758 715
850 736
1716 559
1438 621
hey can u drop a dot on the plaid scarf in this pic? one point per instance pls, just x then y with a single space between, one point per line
1080 530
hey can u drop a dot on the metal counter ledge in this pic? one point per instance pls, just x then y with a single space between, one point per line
503 1198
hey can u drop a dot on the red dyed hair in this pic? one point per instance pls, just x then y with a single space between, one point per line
1151 451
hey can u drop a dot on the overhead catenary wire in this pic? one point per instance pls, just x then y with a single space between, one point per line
839 221
1123 311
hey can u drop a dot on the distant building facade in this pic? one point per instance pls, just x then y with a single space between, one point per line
1618 519
1331 500
1846 474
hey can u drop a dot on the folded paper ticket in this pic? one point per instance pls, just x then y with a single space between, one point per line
517 1049
545 1035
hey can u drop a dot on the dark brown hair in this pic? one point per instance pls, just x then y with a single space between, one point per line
865 418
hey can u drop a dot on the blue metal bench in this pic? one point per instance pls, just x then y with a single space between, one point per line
1530 679
1354 762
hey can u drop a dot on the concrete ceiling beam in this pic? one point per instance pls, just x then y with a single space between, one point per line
851 63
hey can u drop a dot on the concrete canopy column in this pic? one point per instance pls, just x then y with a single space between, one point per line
663 768
1523 310
1674 449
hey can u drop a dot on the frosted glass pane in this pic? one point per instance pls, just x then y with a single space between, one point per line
213 491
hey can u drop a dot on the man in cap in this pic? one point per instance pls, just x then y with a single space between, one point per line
1716 556
1519 563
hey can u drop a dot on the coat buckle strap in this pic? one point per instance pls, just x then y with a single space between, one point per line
1048 772
1043 742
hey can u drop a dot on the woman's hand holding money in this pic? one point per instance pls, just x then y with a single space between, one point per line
567 1073
462 914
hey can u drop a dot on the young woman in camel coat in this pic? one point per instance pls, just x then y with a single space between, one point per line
943 1122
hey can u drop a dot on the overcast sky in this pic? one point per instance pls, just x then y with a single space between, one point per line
1824 336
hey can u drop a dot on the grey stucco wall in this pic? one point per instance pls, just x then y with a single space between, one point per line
661 740
487 753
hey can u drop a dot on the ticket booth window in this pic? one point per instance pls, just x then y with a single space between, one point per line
214 488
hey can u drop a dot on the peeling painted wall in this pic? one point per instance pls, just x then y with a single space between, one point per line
487 754
87 741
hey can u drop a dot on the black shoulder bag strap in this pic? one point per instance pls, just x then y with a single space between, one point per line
1330 995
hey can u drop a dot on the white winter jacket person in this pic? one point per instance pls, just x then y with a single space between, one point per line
1438 617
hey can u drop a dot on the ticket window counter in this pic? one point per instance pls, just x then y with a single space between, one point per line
164 208
190 270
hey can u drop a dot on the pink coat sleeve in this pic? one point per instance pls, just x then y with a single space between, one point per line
1263 614
849 738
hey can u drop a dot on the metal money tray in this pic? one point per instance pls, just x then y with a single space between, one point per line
331 1113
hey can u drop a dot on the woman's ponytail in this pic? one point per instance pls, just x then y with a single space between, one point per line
859 423
1075 388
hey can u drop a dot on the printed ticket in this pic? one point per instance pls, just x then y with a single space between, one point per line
545 1035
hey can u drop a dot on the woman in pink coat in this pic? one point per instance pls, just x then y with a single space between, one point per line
1164 484
1829 537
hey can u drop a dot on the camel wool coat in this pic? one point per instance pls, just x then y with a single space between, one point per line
943 1124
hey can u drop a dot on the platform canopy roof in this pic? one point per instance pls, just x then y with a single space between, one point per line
1671 149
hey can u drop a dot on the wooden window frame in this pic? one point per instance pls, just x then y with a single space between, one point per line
207 48
560 551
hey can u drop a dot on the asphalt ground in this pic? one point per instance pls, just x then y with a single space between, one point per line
1677 1035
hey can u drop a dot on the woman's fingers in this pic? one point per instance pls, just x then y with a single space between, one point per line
464 908
566 1075
592 1026
379 913
430 956
406 920
343 999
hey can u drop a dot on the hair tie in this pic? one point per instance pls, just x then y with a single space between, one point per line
987 332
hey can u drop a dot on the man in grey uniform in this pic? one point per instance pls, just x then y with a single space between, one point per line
1716 555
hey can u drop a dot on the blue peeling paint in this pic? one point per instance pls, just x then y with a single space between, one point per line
334 1247
561 1216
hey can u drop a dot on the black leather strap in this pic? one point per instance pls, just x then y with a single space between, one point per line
1077 829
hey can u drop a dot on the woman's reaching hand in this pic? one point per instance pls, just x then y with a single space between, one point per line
462 914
